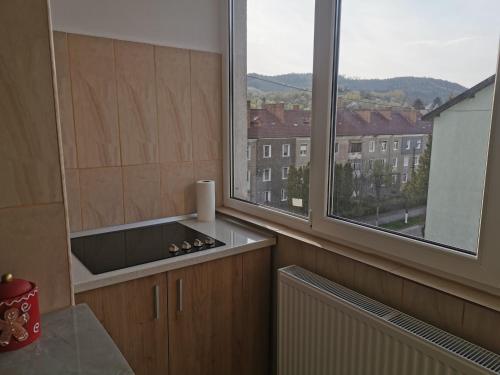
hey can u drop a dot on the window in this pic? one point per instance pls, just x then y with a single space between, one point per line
267 151
284 195
264 108
383 146
249 152
355 147
266 175
267 196
394 163
285 151
371 146
421 123
284 173
303 149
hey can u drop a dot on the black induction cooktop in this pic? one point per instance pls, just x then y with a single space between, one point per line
129 247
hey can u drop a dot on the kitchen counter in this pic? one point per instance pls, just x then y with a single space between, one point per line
237 237
72 342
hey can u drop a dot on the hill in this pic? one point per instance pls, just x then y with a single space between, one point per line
411 87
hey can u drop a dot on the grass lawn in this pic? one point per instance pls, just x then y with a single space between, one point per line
400 224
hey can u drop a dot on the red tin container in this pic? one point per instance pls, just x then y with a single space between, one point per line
19 313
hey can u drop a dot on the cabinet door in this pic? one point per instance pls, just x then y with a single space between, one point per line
134 314
205 326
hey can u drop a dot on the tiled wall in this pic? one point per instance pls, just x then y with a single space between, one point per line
470 321
33 234
141 123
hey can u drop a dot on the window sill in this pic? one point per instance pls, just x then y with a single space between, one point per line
448 286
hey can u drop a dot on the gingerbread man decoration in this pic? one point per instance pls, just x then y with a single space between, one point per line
13 326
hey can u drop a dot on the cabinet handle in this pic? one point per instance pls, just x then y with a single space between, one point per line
157 301
179 295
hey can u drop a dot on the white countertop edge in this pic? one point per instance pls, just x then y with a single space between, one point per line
84 280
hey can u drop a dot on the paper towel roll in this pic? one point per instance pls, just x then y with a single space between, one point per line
205 200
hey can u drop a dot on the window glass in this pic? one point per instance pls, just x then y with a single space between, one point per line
417 89
272 99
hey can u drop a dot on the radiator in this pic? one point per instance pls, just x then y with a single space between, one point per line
325 328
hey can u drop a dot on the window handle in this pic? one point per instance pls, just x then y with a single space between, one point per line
179 296
156 291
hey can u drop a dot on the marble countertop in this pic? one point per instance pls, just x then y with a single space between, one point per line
72 342
237 237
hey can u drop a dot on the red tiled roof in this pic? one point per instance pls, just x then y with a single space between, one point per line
264 124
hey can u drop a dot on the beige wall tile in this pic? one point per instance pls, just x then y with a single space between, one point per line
135 73
34 247
210 170
174 104
178 189
29 150
141 191
434 307
206 103
102 197
378 284
335 267
74 203
92 68
481 325
65 98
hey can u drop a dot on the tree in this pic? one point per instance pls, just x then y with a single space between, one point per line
343 188
437 102
418 104
415 191
298 188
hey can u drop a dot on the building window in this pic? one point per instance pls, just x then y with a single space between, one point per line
406 161
284 195
394 179
336 147
419 144
285 151
394 163
355 147
370 164
396 145
249 152
404 178
408 144
267 196
371 146
303 149
267 151
266 175
284 173
417 160
383 146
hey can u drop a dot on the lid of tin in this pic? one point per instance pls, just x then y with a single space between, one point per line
11 287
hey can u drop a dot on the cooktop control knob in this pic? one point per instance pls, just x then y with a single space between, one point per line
186 246
173 248
209 241
197 243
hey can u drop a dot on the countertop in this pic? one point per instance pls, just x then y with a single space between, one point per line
237 237
72 342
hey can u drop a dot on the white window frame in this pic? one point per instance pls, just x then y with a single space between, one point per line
264 151
264 179
383 146
418 144
406 161
266 194
249 152
481 271
284 195
394 165
408 144
416 161
284 147
404 178
371 146
301 151
284 176
395 145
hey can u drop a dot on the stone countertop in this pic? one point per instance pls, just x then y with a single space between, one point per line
237 237
72 342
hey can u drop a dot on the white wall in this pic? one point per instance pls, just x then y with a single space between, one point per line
191 24
456 179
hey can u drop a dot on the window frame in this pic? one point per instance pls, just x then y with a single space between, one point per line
481 271
284 194
372 145
283 177
303 153
283 147
264 151
264 174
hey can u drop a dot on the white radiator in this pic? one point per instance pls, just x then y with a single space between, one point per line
325 328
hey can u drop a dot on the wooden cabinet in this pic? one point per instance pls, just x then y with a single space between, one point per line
217 321
134 314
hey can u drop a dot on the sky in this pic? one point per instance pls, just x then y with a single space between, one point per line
455 40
